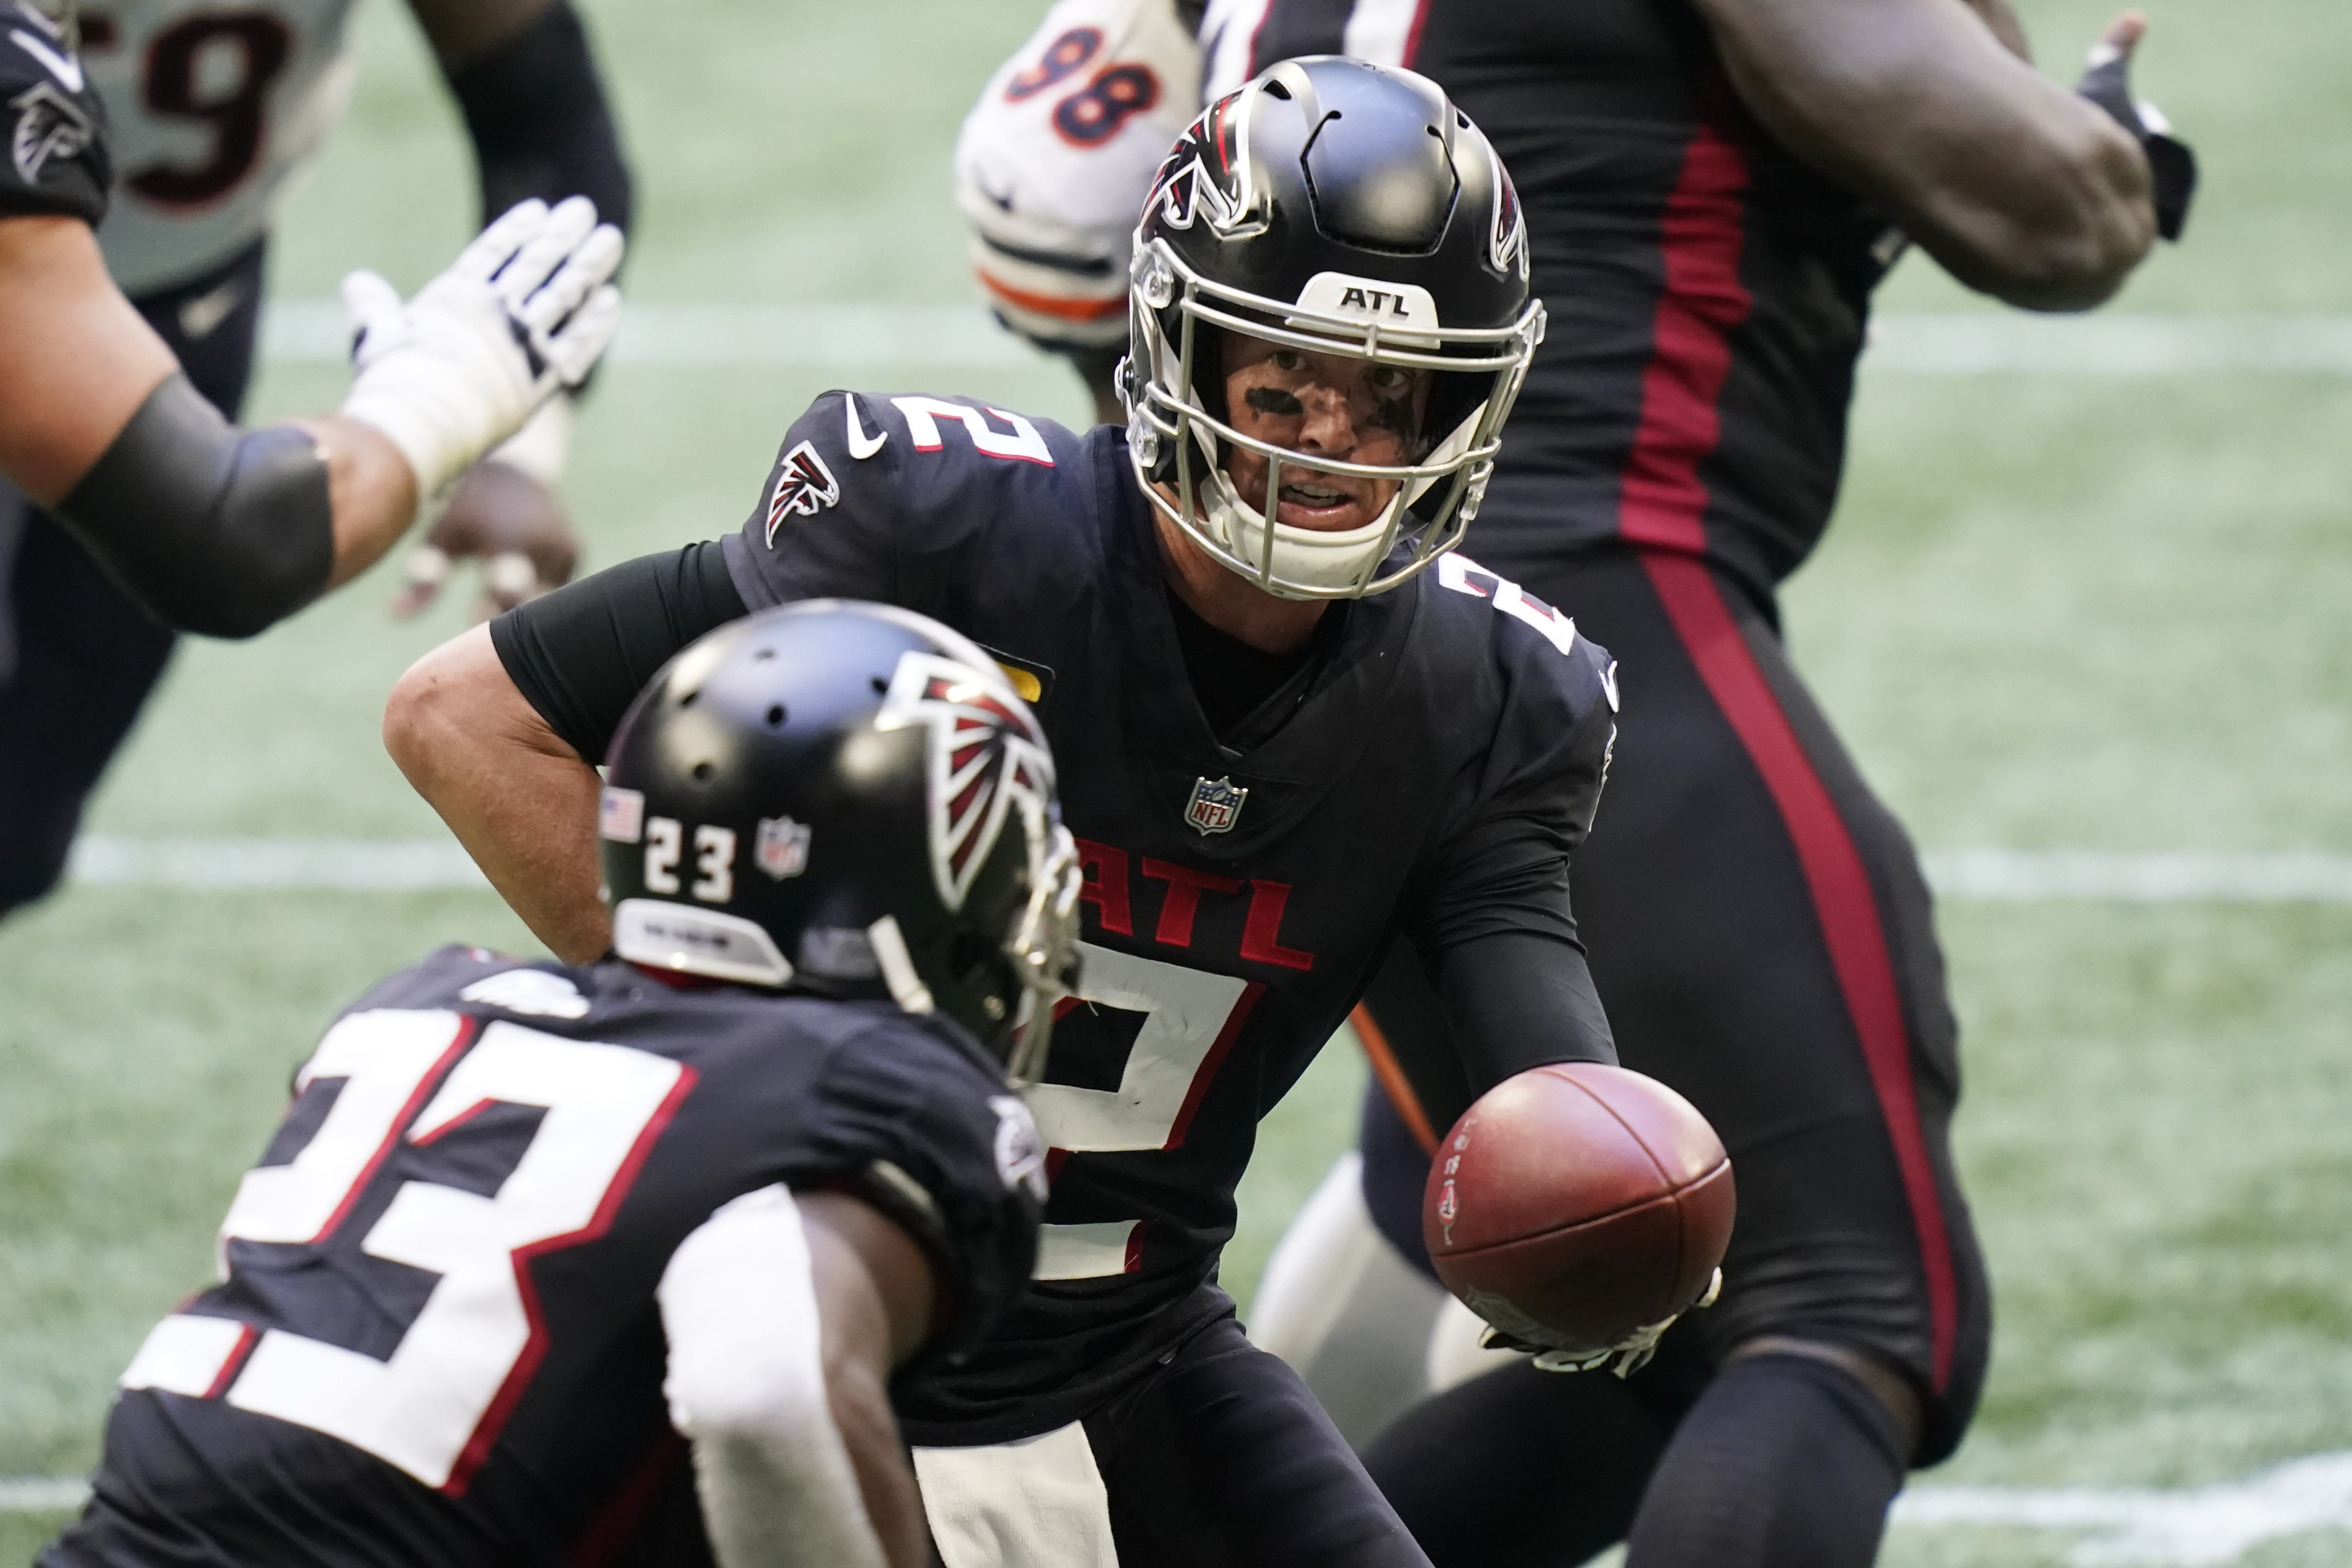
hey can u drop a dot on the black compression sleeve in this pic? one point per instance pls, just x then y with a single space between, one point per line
213 528
1520 999
536 108
581 655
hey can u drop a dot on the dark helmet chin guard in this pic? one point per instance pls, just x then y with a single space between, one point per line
1341 208
848 799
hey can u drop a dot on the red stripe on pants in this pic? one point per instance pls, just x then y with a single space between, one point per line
1842 901
1663 502
1663 505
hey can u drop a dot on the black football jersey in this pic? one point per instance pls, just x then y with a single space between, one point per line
1707 292
53 156
435 1337
1426 776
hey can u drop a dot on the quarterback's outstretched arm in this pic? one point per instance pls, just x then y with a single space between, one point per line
2018 187
225 532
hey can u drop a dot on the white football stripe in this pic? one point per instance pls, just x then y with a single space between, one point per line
963 336
2195 1527
370 864
394 865
42 1494
2186 877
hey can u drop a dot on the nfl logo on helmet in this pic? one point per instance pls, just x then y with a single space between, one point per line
782 846
1215 804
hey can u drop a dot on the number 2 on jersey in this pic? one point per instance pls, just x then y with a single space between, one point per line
434 1407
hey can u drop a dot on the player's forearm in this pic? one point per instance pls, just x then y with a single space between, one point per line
371 491
2018 187
522 801
536 110
875 1295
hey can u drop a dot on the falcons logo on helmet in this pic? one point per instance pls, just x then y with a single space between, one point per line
1507 237
806 485
986 757
1207 173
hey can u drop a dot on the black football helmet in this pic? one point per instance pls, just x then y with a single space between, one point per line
1345 208
848 799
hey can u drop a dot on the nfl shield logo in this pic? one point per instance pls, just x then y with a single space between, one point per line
782 846
1214 805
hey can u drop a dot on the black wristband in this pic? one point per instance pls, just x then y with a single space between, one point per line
212 528
536 110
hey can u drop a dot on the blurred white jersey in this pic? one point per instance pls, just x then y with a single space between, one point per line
213 114
1055 160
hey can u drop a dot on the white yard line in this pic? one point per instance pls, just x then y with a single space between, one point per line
860 335
42 1494
371 865
2194 1526
2036 875
2010 875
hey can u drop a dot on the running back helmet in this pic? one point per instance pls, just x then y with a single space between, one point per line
1342 208
848 799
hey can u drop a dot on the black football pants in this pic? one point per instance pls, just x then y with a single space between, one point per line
1762 938
77 655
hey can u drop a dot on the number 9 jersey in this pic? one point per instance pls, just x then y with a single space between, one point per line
437 1336
212 113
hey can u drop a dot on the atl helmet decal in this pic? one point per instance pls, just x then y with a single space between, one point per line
1507 237
806 485
985 757
1207 173
48 125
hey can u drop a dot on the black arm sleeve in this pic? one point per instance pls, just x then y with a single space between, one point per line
581 655
213 528
1521 999
536 108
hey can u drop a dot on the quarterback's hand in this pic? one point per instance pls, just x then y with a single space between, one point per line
2106 83
1627 1356
526 309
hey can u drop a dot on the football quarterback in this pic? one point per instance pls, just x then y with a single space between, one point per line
525 1226
1294 725
1713 189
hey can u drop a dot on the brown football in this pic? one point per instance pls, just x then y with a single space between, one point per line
1586 1201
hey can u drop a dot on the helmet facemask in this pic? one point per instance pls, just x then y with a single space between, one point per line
1180 433
1343 210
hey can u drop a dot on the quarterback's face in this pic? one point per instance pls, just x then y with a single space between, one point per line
1330 405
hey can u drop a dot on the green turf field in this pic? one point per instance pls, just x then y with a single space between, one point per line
2057 613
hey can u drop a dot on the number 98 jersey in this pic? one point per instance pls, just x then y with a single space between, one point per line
437 1337
213 111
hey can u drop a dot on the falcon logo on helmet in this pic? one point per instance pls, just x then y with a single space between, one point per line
1508 241
987 757
806 487
1201 177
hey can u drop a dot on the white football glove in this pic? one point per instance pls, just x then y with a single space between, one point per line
1510 1330
525 310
